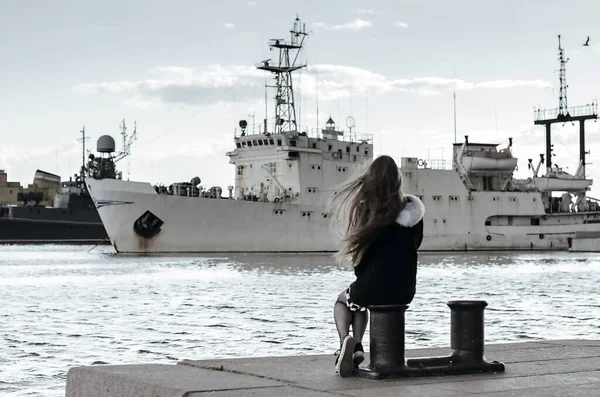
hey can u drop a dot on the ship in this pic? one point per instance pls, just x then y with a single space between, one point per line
284 177
51 211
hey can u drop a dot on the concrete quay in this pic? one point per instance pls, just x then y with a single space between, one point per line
536 369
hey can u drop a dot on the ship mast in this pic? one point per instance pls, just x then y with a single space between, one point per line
565 114
82 140
285 111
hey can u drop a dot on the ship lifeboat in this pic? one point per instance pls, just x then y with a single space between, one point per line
489 161
561 182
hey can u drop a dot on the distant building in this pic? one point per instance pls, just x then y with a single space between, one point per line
42 191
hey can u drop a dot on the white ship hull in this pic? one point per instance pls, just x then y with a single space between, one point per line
454 221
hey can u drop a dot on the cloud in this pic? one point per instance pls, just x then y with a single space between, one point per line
228 25
355 25
343 81
214 83
403 25
183 85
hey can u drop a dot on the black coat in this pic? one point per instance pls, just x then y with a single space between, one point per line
387 273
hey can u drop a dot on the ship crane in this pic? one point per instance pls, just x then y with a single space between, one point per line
536 169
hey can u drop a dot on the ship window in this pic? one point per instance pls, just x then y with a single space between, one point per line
255 143
238 145
347 149
249 143
437 198
260 142
293 143
330 147
535 222
513 199
244 144
453 198
357 149
488 223
496 198
354 158
366 152
279 142
314 145
313 189
271 141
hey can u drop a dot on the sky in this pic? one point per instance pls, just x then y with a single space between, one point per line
185 72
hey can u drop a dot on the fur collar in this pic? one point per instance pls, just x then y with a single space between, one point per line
413 211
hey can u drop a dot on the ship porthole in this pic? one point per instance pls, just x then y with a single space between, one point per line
488 237
541 236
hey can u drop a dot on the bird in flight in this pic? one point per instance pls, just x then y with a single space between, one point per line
587 42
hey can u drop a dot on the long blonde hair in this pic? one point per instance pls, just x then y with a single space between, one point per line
365 206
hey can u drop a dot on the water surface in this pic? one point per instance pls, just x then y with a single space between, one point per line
65 306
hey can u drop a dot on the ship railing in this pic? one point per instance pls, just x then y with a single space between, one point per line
437 164
590 109
314 133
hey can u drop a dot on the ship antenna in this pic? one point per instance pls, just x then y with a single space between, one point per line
563 109
285 112
318 80
82 140
454 116
127 145
454 96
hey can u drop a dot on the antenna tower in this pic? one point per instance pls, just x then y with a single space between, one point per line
285 111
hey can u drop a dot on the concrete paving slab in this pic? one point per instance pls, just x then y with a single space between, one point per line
546 352
403 390
558 366
153 380
576 342
523 383
284 391
579 391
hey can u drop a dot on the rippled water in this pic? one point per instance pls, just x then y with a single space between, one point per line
62 306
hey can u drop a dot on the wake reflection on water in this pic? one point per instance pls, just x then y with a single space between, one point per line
64 307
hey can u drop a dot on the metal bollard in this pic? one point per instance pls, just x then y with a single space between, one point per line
386 342
466 330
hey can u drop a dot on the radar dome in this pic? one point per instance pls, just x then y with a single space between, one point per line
105 144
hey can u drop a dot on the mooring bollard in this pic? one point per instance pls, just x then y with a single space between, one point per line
466 330
387 354
467 336
386 341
